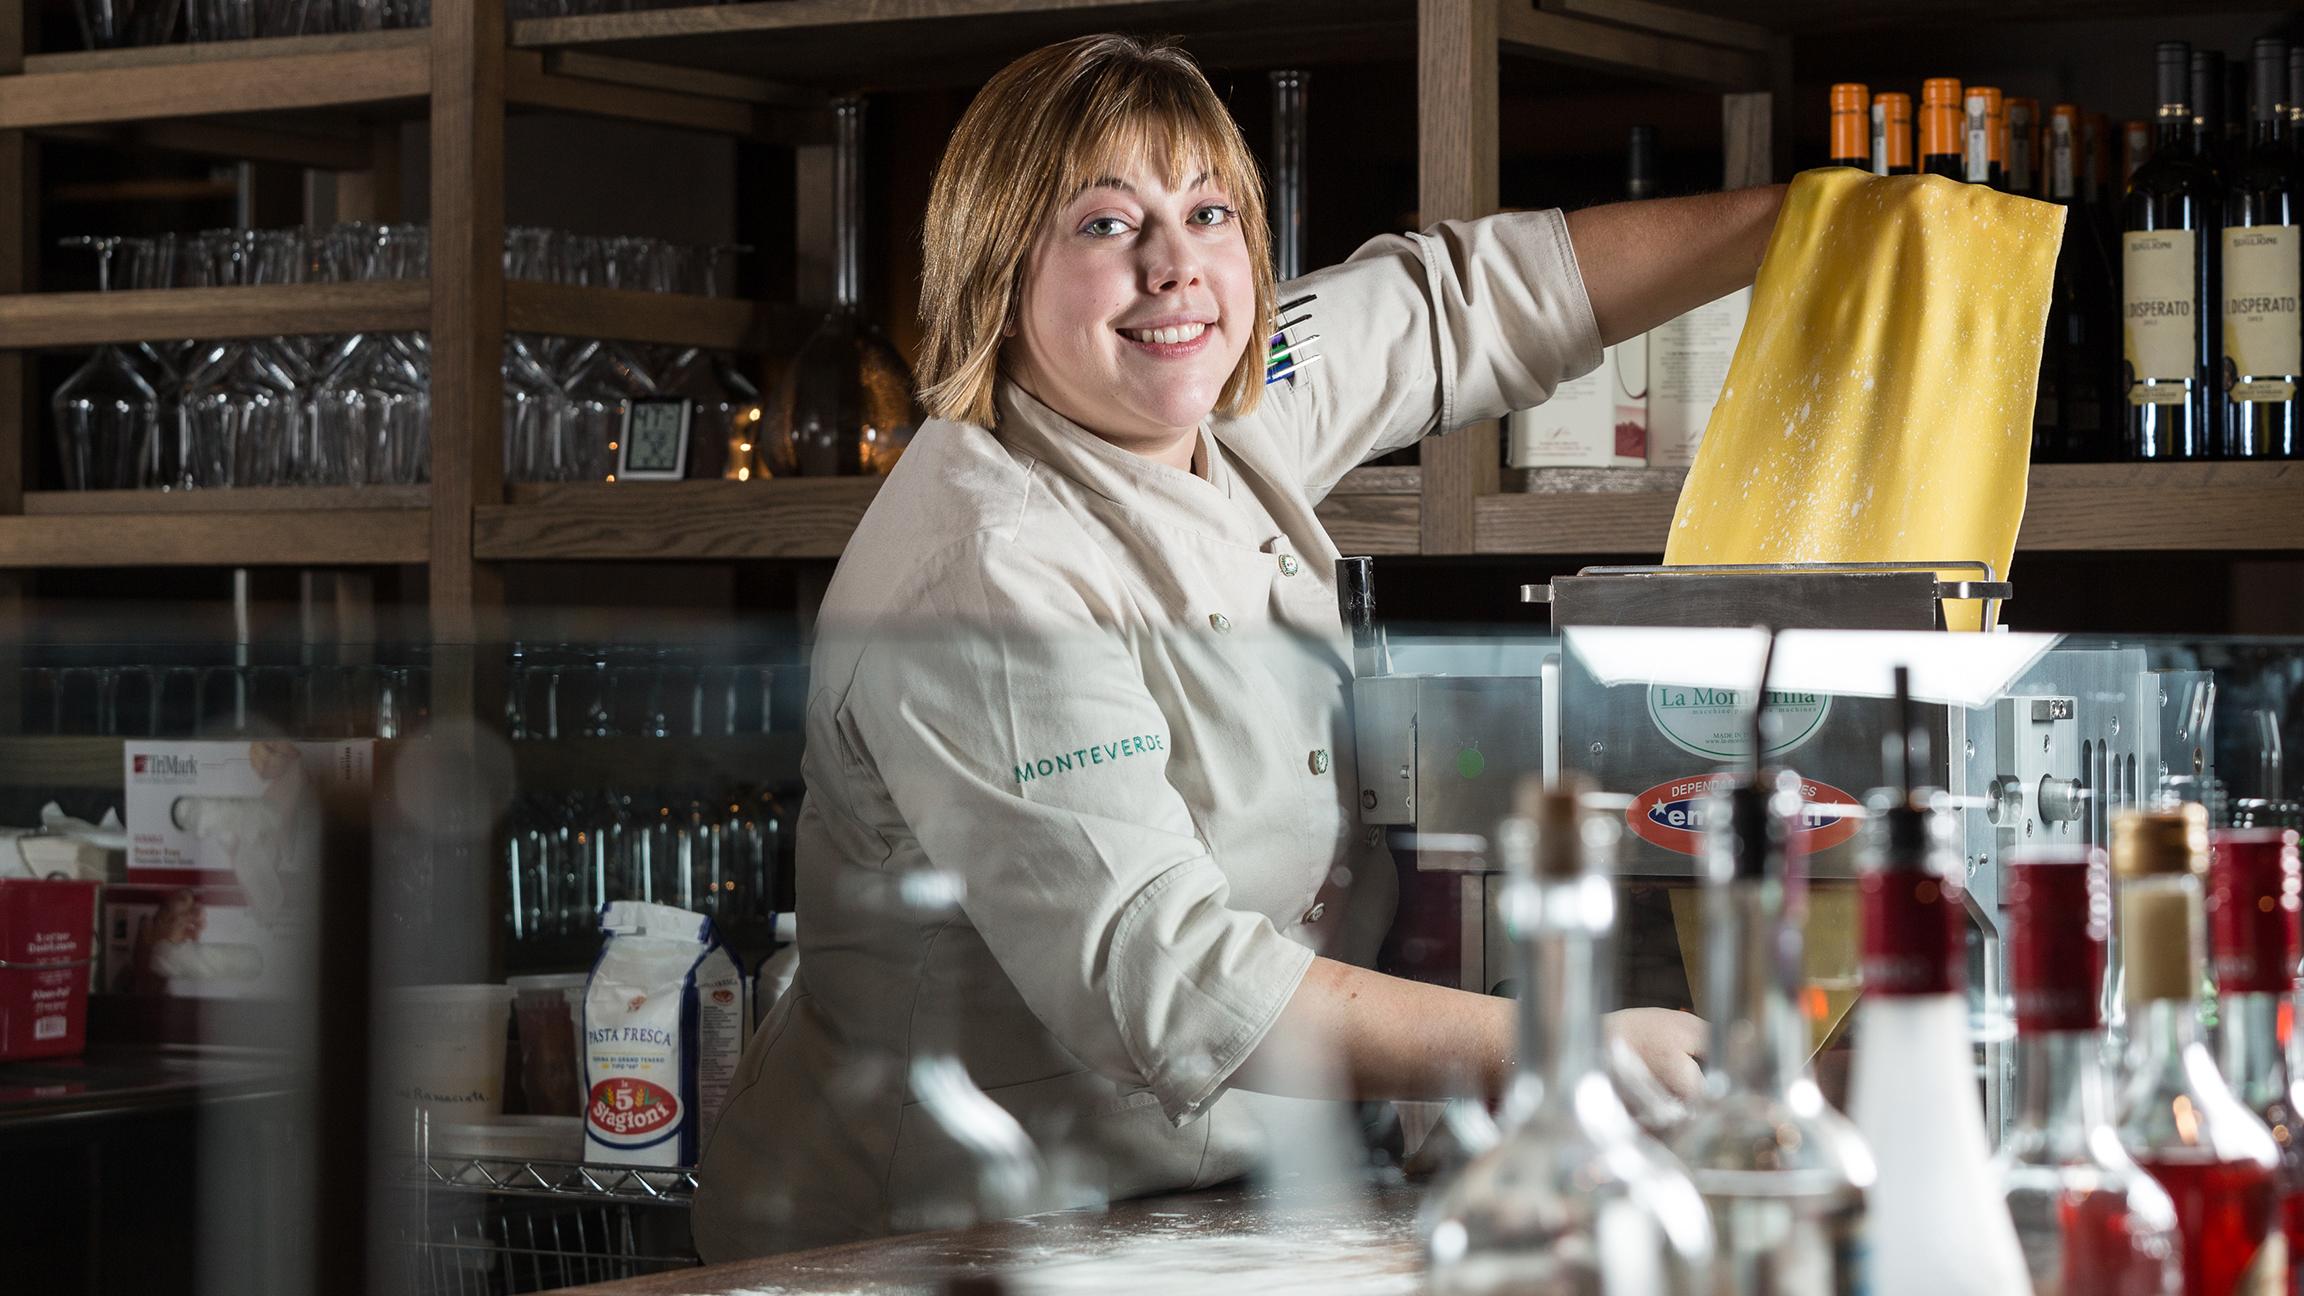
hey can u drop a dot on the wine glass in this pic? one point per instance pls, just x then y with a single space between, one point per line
107 410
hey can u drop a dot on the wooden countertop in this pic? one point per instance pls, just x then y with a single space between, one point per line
1235 1241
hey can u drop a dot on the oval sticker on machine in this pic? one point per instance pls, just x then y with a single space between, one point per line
1671 815
1716 723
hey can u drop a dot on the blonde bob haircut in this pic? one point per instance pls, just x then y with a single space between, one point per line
1046 127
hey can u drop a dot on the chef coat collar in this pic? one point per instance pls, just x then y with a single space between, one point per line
1126 478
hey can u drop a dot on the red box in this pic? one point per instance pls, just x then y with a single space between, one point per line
47 940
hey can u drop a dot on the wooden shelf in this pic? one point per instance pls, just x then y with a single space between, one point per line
673 520
883 43
56 320
251 499
48 761
165 82
253 527
673 319
2204 507
1376 511
78 319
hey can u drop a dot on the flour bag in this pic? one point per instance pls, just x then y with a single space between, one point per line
664 1024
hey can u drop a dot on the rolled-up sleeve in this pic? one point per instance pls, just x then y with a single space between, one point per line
1423 333
1017 738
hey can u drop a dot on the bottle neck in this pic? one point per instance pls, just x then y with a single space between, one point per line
2160 1033
2248 1048
2267 135
848 203
1759 1039
2173 130
1562 927
2062 1091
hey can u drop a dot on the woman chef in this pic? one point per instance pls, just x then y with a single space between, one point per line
1083 655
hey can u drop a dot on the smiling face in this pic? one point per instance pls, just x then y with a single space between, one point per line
1138 299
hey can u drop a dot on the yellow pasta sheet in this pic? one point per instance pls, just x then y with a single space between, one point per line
1879 405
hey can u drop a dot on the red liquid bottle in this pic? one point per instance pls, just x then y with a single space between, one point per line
2090 1222
2180 1119
2252 906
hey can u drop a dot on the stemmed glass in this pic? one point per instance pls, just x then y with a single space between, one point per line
165 460
371 411
106 410
238 404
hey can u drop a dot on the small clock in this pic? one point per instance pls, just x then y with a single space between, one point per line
654 446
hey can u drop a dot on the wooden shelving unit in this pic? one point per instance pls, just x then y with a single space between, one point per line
761 71
2165 508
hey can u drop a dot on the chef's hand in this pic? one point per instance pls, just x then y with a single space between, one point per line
1668 1043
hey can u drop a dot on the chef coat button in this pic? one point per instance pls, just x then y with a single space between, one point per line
1318 911
1289 566
1222 622
1320 761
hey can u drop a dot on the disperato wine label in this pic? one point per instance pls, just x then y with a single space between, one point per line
2159 331
2261 341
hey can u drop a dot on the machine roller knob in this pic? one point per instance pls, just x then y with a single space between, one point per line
2061 800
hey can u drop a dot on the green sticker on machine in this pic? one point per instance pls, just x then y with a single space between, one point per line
1470 763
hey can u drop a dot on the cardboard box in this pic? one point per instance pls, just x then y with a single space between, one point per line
223 864
1688 361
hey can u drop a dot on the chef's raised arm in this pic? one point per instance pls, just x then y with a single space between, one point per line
1468 320
1022 750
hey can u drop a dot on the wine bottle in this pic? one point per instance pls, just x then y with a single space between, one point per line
1983 158
1851 107
1575 1198
2262 343
1783 1174
2091 1222
1892 134
2180 1119
2070 422
2023 147
2251 910
1940 128
2207 103
2296 99
1914 1084
2135 150
2168 278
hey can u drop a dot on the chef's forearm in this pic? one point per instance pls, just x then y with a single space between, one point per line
1646 262
1352 1033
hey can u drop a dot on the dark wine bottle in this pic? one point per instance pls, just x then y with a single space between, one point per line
2207 102
2170 224
1892 134
2262 365
2072 420
1940 125
1851 122
2023 147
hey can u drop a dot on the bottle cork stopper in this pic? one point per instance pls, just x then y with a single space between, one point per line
2161 843
1555 813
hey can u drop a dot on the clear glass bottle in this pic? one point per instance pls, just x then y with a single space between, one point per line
1575 1199
2090 1222
1783 1174
2251 909
1913 1089
846 405
2179 1119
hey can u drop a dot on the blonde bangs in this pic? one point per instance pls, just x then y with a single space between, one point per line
1046 127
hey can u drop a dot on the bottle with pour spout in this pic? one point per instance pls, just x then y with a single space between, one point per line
1575 1200
1783 1175
1939 1224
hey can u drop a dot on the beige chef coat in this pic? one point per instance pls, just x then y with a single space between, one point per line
1109 696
